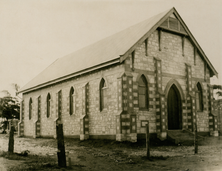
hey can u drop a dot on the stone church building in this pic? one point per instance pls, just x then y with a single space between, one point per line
154 71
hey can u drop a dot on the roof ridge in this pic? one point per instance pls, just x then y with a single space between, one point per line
104 51
118 32
112 47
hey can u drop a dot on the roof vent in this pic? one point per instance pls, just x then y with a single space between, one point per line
173 22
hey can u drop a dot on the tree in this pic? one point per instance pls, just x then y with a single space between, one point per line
9 106
9 109
219 90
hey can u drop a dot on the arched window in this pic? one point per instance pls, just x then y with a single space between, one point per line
71 101
143 93
48 104
199 98
30 108
101 93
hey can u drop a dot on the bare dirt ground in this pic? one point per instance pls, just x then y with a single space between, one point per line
109 155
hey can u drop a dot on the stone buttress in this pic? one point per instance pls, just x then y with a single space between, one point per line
84 119
37 126
161 110
190 100
126 119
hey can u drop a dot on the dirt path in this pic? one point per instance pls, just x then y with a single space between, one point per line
110 155
2 164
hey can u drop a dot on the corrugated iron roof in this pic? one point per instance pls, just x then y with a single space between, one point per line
100 52
103 51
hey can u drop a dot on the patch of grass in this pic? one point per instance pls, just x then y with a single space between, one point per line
35 162
40 163
46 142
32 162
11 156
112 144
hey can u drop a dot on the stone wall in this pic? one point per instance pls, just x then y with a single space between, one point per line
173 67
100 123
202 122
121 116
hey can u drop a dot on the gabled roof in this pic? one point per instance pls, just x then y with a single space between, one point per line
111 50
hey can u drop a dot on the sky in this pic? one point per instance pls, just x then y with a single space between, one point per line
34 33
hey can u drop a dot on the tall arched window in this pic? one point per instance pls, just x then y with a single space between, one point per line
71 100
30 108
101 93
143 93
199 98
48 104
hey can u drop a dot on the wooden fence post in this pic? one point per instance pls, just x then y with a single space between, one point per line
195 139
11 140
147 141
61 148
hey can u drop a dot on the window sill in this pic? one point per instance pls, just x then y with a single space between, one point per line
103 111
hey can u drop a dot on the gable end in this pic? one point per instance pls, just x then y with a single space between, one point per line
177 26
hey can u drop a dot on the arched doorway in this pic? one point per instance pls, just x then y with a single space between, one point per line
174 109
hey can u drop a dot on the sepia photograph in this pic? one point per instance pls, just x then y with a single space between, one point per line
103 85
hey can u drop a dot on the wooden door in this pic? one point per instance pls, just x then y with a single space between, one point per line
174 109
